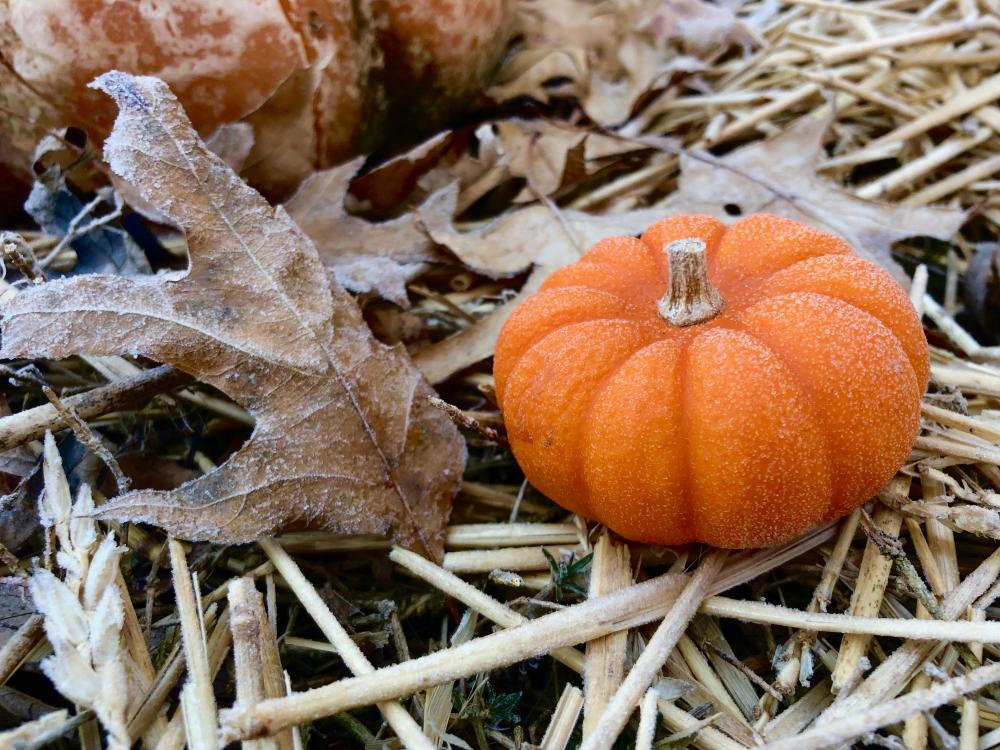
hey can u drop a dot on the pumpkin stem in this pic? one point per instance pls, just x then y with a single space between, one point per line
691 297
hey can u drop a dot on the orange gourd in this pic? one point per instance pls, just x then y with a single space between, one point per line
773 383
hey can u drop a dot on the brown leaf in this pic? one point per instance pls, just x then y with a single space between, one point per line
534 235
509 245
778 176
364 256
610 55
345 439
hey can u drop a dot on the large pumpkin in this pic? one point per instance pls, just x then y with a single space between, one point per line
342 77
773 383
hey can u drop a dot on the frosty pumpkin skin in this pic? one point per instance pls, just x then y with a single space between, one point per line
791 406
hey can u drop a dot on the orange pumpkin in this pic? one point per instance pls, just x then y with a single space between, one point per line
770 383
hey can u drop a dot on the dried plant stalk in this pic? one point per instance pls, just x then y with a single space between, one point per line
563 720
245 604
197 697
628 695
832 733
604 666
867 598
594 618
399 719
475 599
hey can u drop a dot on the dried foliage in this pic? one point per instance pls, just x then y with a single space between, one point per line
874 120
345 439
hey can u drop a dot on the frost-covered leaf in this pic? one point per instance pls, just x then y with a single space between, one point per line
345 438
778 176
611 55
363 256
534 235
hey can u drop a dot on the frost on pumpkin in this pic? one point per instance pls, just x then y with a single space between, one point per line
345 439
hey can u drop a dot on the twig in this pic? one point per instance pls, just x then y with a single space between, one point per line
893 674
406 728
755 678
50 736
886 627
467 421
86 436
646 732
245 602
32 424
643 673
475 599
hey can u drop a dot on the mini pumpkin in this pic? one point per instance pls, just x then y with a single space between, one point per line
729 386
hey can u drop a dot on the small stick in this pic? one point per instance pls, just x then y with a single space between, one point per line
755 678
19 645
953 183
684 724
275 679
399 718
985 93
505 558
563 720
854 50
218 648
875 717
48 737
625 699
86 436
32 424
197 698
709 679
462 419
604 666
646 732
918 289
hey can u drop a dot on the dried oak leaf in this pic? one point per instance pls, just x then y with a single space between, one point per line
364 256
512 243
778 176
345 438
